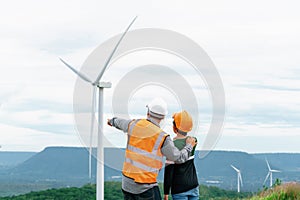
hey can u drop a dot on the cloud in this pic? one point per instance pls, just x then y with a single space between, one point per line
46 121
255 48
38 114
259 143
24 139
269 87
41 104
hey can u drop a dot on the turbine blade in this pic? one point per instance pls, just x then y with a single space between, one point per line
273 170
113 52
235 168
84 77
241 180
267 177
92 130
268 165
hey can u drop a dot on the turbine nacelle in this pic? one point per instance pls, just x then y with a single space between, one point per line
104 85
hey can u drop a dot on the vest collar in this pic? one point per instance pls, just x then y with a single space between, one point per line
153 121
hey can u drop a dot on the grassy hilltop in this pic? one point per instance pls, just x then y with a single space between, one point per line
289 191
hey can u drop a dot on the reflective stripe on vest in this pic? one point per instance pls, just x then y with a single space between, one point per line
142 166
143 158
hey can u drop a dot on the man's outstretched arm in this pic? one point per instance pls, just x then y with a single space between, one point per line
119 123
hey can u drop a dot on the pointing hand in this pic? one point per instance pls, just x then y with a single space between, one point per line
109 122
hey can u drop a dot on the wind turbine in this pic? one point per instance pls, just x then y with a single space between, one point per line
270 173
239 178
100 85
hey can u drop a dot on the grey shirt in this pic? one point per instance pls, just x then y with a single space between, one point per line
168 149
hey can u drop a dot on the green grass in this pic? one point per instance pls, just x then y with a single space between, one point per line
288 191
215 193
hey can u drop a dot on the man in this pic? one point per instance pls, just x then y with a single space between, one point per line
181 178
147 144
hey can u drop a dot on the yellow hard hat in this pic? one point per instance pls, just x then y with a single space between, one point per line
183 121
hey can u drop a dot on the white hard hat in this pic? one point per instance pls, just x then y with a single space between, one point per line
158 108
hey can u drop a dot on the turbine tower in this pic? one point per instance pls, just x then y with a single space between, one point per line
100 85
239 178
270 173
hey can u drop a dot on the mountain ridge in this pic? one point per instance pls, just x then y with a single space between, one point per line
69 165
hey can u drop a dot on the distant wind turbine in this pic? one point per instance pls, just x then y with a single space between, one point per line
100 85
239 178
270 173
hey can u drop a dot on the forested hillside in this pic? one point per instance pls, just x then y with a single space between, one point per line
113 192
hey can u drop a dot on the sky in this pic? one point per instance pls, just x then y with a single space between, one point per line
254 45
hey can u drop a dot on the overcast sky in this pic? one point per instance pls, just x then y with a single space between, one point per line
255 46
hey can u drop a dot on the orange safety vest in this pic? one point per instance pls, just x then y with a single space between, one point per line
143 158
